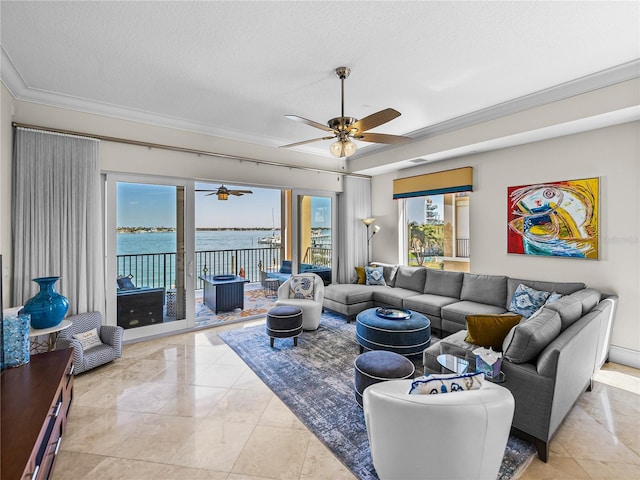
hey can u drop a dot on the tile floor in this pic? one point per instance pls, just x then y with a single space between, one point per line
186 407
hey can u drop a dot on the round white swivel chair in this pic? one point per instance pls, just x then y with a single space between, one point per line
458 435
311 309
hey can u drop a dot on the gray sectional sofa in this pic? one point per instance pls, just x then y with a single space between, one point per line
548 360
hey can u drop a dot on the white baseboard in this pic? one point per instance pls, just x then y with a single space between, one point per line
624 356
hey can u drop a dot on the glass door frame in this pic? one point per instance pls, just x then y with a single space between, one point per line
110 267
296 259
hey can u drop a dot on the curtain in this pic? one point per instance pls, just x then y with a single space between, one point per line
56 217
354 204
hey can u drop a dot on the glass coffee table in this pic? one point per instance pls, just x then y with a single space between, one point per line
456 364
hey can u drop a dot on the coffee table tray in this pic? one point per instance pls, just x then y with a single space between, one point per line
393 313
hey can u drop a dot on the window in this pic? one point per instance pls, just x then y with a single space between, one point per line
438 231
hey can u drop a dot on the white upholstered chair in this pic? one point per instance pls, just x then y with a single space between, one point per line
458 435
311 309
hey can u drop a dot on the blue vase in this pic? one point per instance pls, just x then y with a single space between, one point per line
48 307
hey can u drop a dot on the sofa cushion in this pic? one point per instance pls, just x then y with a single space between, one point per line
361 277
527 300
590 297
286 266
374 276
392 296
350 293
568 307
530 337
441 282
489 289
489 331
457 312
565 288
411 278
428 304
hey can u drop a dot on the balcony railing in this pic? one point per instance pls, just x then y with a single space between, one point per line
159 269
462 247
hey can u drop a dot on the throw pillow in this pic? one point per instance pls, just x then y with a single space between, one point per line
362 276
527 300
125 283
446 383
301 286
554 297
375 276
88 339
489 330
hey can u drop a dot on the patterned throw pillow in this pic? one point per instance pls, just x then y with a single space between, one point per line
446 383
527 300
375 276
301 286
554 297
88 339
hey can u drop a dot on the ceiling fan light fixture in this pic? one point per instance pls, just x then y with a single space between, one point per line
343 148
223 196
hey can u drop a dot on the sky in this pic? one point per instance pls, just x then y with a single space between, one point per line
142 205
415 208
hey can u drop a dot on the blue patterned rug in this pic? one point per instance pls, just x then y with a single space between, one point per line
315 380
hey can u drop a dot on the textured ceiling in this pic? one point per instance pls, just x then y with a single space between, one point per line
234 69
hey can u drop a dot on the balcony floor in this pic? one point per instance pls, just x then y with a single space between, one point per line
257 302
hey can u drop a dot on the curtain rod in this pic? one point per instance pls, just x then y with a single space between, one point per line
160 146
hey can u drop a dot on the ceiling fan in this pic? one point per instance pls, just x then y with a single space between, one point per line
223 192
344 129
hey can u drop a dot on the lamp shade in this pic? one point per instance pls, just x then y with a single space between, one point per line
368 221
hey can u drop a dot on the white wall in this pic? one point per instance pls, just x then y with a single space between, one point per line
610 153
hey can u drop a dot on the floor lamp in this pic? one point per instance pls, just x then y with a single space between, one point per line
368 222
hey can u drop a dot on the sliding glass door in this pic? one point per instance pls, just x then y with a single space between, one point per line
148 244
316 221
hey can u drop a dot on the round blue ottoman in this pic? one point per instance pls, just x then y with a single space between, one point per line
407 336
284 322
378 366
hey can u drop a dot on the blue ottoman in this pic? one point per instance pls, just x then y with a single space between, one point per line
284 322
378 366
407 337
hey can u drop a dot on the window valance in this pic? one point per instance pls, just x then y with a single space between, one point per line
448 181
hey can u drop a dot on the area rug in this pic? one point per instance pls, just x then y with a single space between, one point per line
257 302
315 380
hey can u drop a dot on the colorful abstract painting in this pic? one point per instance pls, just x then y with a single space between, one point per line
558 219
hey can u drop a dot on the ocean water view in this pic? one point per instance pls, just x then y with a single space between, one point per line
206 240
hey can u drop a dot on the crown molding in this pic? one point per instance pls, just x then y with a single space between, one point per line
595 81
11 78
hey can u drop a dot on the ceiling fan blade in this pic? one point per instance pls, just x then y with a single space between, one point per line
382 138
375 119
311 123
198 190
306 141
239 192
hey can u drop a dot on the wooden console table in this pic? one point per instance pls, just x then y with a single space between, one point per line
35 400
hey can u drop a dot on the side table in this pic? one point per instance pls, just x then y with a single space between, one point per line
52 333
271 286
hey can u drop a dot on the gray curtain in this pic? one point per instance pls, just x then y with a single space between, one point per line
56 217
354 204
